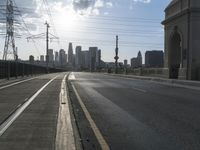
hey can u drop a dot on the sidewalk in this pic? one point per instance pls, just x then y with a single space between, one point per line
173 82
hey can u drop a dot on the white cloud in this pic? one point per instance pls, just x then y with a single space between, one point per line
142 1
132 2
91 6
99 4
109 4
37 14
95 12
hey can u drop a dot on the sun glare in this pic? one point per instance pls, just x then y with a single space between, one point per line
67 19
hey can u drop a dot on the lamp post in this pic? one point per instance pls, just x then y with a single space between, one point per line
116 55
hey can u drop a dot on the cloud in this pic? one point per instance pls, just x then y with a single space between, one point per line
34 11
91 7
99 4
132 2
109 4
142 1
82 4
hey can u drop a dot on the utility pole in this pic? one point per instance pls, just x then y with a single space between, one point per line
47 45
9 47
116 55
47 35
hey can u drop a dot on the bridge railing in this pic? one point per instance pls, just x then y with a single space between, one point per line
16 69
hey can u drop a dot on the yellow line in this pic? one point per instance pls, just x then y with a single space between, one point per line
95 129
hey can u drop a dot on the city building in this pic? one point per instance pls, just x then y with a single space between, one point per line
62 58
31 59
78 57
110 65
134 62
42 58
73 60
56 57
139 57
98 60
137 61
125 63
85 60
70 55
154 59
50 55
92 58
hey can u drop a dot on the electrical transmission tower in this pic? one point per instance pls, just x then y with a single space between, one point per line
9 47
9 41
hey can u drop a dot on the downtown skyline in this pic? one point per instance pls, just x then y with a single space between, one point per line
93 23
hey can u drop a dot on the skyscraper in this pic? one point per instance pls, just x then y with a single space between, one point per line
78 57
137 61
98 59
139 57
70 54
62 58
56 57
50 55
85 60
92 58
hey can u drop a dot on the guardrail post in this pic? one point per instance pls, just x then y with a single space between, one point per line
22 69
8 70
16 69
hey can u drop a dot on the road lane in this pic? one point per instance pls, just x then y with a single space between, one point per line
12 96
20 108
163 117
35 128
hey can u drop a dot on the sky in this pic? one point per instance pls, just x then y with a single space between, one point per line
88 23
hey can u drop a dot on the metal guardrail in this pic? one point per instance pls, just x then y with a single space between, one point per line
16 69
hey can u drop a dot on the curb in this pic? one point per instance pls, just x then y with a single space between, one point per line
174 82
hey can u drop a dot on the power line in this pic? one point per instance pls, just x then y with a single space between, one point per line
99 16
50 18
27 30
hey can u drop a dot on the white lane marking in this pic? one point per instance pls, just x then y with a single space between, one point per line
94 127
5 125
6 86
64 136
72 76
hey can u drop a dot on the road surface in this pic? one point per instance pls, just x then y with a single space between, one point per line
135 114
110 112
35 128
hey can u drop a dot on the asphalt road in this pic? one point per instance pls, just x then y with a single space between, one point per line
136 114
35 128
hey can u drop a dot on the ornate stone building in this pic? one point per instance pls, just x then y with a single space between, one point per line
182 39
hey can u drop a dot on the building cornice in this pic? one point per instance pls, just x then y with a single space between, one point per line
184 12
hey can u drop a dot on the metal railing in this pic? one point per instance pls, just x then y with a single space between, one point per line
16 69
